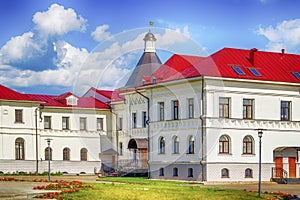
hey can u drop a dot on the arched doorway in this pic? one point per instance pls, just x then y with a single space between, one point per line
139 149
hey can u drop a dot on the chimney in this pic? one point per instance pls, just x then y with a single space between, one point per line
252 56
282 52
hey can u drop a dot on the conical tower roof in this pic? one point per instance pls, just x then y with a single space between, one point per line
148 63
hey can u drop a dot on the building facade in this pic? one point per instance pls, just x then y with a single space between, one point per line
74 125
191 118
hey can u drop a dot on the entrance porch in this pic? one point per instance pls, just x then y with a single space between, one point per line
287 166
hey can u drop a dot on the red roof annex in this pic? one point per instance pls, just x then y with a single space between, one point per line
58 101
271 66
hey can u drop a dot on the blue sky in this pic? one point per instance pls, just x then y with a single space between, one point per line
70 45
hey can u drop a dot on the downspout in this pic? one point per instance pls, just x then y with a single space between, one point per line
202 117
148 130
36 135
117 137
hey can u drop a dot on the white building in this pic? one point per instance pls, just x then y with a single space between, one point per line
191 118
75 126
205 113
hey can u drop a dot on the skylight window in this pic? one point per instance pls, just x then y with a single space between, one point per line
254 71
238 70
296 74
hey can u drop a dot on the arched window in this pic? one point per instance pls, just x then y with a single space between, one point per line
248 145
83 154
46 153
20 149
66 154
248 173
175 171
161 172
175 145
225 173
162 145
191 145
224 144
190 172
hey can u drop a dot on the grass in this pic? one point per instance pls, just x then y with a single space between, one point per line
144 189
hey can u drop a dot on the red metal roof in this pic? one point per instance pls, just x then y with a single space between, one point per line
106 93
271 65
9 94
175 65
57 101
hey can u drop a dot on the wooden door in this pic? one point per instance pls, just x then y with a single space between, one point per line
279 167
292 167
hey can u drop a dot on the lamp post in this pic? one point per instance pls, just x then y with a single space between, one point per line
48 142
260 133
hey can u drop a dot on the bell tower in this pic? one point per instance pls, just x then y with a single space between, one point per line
150 41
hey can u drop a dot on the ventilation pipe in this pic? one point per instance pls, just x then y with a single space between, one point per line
252 56
282 52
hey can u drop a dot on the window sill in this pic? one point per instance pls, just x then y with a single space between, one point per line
224 154
248 155
19 123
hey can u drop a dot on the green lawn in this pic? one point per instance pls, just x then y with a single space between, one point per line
144 189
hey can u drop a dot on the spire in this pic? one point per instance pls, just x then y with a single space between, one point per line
150 40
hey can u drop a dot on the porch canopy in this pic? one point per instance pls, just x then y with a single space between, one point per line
138 143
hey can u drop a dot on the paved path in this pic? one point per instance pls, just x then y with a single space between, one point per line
24 190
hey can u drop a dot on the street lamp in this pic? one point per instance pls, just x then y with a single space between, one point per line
48 142
260 133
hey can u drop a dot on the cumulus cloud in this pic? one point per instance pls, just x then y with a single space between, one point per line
101 33
20 47
284 35
58 21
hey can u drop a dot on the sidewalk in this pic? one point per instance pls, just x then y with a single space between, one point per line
24 190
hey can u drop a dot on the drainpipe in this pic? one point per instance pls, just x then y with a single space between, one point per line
36 135
202 117
148 126
117 137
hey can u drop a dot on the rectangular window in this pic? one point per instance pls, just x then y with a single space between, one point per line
65 123
175 110
99 124
82 123
19 116
248 108
144 119
254 71
285 113
296 74
190 172
120 124
120 149
238 70
161 111
133 120
224 107
191 108
47 122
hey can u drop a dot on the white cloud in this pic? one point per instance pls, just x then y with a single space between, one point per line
101 33
20 47
284 35
58 21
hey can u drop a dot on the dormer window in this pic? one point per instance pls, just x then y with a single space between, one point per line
72 100
153 80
